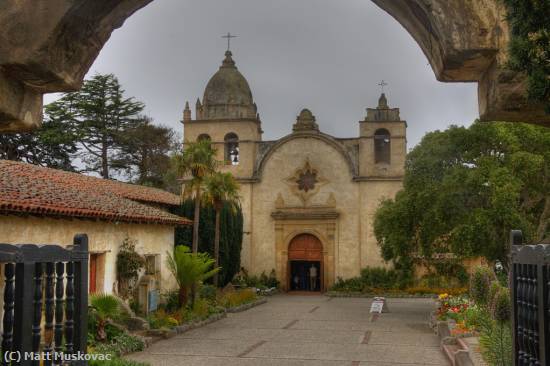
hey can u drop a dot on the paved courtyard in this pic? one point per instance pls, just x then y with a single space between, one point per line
307 330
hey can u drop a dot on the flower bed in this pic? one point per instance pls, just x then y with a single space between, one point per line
485 314
417 291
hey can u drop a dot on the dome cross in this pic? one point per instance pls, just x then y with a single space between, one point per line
382 84
229 36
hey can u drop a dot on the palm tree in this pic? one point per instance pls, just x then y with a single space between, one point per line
220 188
189 269
106 307
198 160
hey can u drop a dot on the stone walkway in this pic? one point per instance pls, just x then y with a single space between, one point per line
307 331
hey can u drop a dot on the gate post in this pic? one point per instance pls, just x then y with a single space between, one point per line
516 238
81 293
529 282
24 294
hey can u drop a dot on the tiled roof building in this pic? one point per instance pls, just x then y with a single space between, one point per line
30 189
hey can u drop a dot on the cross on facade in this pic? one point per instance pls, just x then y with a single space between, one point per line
382 84
229 36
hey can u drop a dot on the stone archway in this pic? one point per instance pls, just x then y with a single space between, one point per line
305 250
48 47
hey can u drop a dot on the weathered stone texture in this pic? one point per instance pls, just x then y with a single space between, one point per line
49 45
467 40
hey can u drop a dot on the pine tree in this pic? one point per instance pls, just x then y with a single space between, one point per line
51 146
145 153
101 116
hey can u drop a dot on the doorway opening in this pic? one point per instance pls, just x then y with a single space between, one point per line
304 276
305 264
96 272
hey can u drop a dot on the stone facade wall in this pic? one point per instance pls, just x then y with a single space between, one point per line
398 149
339 212
247 131
103 237
338 187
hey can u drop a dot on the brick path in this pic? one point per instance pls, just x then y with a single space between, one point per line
307 331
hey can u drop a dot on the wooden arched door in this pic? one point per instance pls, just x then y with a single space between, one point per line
305 251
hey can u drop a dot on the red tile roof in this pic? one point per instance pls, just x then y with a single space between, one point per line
26 188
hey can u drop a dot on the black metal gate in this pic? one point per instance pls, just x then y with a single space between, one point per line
530 284
45 303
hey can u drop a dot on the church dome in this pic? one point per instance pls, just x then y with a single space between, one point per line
227 94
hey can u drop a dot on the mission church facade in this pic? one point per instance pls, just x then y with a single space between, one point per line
308 198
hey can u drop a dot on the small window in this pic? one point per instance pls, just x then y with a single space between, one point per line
152 264
203 136
382 146
231 149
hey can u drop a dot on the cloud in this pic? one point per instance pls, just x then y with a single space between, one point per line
326 55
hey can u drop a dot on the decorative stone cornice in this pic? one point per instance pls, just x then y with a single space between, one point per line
373 178
306 214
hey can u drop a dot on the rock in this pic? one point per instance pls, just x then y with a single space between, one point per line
136 323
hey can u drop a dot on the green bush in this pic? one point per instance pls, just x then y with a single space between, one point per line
502 307
237 298
452 270
262 281
208 292
378 277
480 284
494 288
496 344
477 318
103 308
117 362
354 284
374 278
128 264
170 300
120 345
161 319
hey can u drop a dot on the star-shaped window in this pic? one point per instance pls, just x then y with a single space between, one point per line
306 181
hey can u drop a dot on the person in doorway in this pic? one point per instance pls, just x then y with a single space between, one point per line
296 282
313 278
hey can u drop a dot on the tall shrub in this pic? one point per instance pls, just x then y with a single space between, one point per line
128 264
480 285
231 236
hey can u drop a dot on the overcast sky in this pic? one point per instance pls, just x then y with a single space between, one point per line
325 55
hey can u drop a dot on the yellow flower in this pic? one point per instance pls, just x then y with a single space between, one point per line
443 296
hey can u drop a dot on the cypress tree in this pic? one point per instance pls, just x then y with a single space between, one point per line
231 235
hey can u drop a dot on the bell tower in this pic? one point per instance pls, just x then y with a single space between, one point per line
383 143
228 116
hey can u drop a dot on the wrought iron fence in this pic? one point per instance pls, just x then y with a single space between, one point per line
530 284
45 303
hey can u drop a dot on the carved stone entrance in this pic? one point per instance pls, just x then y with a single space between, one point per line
292 223
305 264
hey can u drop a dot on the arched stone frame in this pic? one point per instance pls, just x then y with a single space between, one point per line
56 46
382 146
204 136
331 141
231 149
285 232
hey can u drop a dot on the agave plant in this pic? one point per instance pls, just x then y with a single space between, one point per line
107 307
189 269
